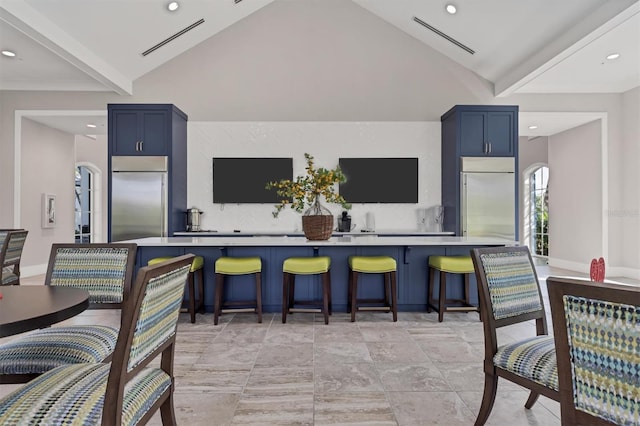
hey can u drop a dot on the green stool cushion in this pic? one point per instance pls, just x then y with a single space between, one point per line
372 264
453 264
198 262
238 265
306 265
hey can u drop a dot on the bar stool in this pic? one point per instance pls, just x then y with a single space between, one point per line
237 266
196 266
450 265
373 265
293 266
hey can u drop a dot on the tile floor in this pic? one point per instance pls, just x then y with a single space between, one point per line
371 372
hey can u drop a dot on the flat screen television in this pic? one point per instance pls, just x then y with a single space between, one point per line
243 180
380 180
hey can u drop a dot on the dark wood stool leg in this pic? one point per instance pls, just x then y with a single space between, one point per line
443 295
466 289
217 303
387 284
292 290
330 299
325 296
350 291
285 296
259 296
192 296
201 289
430 301
394 297
354 295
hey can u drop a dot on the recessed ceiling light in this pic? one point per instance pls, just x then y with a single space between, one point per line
93 126
451 8
8 53
613 56
533 127
173 6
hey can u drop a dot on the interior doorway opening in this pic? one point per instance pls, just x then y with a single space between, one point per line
537 211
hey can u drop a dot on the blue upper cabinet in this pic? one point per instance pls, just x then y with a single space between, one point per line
486 130
145 129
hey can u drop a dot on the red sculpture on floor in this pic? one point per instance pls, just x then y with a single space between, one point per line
597 270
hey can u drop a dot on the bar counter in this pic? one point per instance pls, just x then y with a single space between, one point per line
410 251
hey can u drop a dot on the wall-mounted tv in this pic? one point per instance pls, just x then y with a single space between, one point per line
243 180
380 180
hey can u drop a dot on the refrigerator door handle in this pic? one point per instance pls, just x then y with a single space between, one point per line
164 226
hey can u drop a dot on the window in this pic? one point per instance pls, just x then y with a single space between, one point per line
539 211
84 204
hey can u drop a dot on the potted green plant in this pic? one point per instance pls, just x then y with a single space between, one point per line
306 190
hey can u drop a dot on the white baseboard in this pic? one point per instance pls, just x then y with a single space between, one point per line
615 271
31 271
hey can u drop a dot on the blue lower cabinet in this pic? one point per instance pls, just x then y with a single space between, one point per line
412 273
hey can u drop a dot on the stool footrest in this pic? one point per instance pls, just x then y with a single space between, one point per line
304 310
232 310
374 308
238 303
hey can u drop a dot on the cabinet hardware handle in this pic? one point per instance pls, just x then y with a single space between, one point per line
141 145
489 147
484 147
137 146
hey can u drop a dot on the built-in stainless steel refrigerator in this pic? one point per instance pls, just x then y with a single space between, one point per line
139 206
488 191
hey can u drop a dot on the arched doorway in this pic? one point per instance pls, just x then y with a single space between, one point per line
536 210
87 207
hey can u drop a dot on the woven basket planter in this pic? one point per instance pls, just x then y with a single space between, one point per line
317 227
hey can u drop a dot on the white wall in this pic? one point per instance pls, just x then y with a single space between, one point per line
575 197
628 218
47 167
326 141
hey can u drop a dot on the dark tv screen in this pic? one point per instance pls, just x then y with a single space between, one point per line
243 180
380 180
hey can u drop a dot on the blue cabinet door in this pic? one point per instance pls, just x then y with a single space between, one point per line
487 133
139 132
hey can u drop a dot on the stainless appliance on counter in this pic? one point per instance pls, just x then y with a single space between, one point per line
488 200
193 219
139 206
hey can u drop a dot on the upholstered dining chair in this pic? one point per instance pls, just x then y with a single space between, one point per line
510 294
11 246
128 390
106 272
597 334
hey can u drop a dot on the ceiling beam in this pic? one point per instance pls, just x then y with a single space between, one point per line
608 16
36 26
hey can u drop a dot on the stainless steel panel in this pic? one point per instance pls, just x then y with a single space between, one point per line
487 164
488 205
138 205
141 163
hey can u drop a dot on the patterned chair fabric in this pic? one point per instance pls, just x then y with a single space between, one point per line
533 359
102 271
604 346
512 284
105 270
597 331
10 254
510 294
88 394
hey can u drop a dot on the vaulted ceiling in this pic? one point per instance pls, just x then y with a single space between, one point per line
526 46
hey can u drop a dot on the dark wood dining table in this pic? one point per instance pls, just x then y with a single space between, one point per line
29 307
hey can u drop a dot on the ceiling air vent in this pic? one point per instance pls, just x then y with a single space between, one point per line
443 35
173 37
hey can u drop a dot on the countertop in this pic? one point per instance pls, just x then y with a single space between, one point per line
363 239
239 233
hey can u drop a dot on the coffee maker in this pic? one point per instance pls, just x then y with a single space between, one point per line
193 219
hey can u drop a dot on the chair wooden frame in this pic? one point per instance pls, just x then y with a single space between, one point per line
490 324
130 268
118 374
558 288
119 371
4 248
288 296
